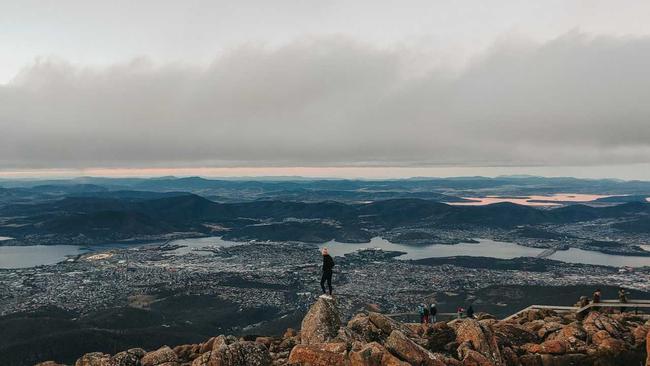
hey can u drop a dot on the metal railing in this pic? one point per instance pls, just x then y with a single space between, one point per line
634 305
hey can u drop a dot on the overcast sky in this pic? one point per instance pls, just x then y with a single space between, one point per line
511 86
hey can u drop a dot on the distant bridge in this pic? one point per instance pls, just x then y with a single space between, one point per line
547 252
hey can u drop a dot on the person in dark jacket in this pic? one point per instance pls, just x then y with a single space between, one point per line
328 265
470 311
432 313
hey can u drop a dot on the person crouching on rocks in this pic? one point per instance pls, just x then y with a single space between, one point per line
328 265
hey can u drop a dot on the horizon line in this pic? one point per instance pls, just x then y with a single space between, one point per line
629 172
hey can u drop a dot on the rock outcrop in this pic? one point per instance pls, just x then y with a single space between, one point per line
322 322
164 356
536 338
647 345
473 335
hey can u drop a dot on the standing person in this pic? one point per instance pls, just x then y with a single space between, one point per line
432 313
622 298
596 298
328 265
460 310
470 311
426 314
421 313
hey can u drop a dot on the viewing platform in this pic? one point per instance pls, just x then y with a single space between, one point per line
631 305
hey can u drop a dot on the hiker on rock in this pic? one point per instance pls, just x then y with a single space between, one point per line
584 301
596 299
432 313
622 298
421 313
470 312
328 265
425 319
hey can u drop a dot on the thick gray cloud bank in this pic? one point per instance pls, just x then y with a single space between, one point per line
576 100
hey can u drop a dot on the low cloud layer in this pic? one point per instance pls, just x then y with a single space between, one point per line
576 100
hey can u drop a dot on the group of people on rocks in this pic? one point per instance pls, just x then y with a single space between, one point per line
468 313
427 313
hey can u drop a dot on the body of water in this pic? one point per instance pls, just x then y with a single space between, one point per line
532 200
574 255
485 248
191 245
489 248
35 255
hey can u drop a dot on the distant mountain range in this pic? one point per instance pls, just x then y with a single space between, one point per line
124 214
315 190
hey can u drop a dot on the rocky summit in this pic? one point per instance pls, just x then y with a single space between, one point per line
533 338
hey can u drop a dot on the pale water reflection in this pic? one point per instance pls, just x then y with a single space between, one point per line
35 255
194 245
485 248
532 200
574 255
489 248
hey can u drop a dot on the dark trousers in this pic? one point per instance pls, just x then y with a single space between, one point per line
327 276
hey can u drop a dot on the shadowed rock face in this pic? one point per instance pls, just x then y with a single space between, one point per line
474 336
536 338
647 345
163 356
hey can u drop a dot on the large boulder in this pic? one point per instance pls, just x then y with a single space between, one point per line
479 337
162 356
388 325
555 347
647 349
222 341
49 363
509 333
129 357
573 336
549 328
187 352
405 349
203 359
366 330
438 336
639 334
240 353
596 321
316 355
472 358
537 314
374 354
322 322
94 359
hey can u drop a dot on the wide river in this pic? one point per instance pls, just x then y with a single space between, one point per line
30 256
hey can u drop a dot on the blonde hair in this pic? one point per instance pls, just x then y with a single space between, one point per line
324 250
